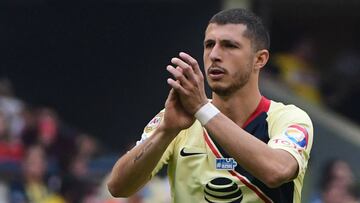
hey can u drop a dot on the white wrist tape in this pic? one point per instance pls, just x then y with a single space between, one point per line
206 112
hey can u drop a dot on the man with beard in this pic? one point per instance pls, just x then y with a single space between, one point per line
237 147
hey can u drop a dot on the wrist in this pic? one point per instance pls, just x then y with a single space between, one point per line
206 113
167 131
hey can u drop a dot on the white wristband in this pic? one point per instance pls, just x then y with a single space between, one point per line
206 112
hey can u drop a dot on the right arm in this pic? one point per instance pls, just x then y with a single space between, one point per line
134 169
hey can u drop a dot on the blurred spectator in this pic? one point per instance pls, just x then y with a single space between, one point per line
33 187
337 183
341 82
87 146
10 149
54 136
296 69
12 108
77 182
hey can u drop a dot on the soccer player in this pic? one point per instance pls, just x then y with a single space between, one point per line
237 147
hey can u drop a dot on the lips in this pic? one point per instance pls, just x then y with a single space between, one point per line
216 72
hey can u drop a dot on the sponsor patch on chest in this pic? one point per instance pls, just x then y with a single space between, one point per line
225 164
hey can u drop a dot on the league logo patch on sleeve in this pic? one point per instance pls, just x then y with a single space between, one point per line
154 123
297 134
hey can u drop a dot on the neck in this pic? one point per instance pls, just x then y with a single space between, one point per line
240 105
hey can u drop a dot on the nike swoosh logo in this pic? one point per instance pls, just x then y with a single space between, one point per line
183 153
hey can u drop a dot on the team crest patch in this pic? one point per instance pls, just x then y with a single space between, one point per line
225 163
222 189
297 134
154 123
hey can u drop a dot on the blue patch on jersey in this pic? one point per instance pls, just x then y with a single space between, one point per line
296 136
301 143
225 164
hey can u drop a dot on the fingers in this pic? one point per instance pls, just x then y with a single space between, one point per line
187 73
178 75
176 86
190 60
186 68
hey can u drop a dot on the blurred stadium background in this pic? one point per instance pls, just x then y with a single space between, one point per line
82 78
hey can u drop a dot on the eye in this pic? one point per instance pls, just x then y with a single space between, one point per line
230 45
209 44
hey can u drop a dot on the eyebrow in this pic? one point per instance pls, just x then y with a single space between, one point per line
207 40
227 41
224 41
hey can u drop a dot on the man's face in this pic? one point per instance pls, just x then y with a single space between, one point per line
228 57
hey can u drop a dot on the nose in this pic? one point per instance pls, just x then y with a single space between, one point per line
215 53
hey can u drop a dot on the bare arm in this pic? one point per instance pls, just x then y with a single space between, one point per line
134 169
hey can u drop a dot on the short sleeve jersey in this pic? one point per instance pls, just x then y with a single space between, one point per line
200 171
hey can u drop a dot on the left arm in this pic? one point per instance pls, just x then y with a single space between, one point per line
271 166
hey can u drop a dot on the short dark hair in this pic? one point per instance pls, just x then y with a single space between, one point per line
255 31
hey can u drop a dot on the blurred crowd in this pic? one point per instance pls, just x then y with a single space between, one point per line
43 160
329 82
337 184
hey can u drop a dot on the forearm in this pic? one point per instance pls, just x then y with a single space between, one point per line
134 168
271 166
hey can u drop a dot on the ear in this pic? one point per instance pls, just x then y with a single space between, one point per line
261 58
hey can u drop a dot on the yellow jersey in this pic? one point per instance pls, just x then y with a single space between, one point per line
200 171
